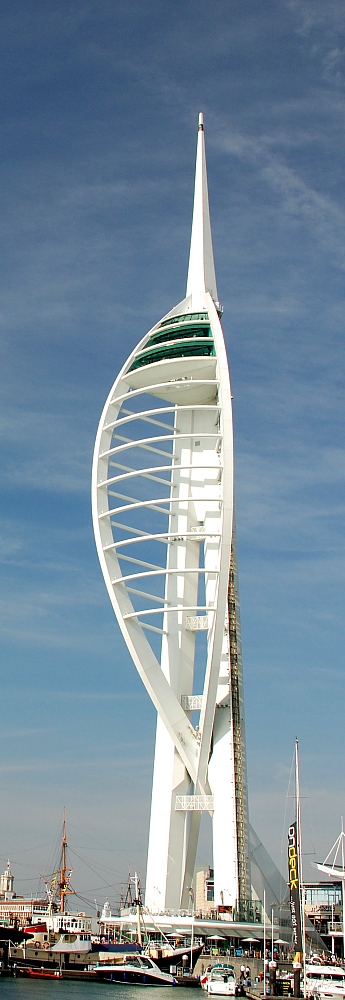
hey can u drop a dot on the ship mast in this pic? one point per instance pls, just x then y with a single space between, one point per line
58 884
64 872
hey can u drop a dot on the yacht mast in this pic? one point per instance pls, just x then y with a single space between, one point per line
299 854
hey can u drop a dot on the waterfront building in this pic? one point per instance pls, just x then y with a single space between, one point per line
23 910
323 907
163 513
204 892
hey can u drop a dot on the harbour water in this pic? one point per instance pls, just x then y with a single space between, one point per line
26 989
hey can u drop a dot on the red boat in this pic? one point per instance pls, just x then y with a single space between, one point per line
44 973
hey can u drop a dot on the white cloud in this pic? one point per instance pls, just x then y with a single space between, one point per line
323 217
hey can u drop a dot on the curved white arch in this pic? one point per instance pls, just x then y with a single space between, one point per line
204 461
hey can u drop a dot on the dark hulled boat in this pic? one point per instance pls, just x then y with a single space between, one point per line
135 969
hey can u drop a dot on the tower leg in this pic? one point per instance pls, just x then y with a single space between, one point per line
167 838
192 836
222 783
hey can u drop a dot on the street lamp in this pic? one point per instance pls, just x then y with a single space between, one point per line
272 932
264 907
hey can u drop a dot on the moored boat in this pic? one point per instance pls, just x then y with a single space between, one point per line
165 957
44 973
219 969
135 969
325 981
221 981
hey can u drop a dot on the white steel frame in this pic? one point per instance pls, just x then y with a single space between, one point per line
175 543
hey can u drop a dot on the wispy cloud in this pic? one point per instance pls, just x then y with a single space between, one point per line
323 216
323 26
19 734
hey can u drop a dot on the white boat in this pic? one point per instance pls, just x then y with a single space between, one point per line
325 981
135 969
220 972
221 982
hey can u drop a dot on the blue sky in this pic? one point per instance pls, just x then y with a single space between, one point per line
99 105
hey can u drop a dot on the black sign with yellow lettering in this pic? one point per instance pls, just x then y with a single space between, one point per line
295 895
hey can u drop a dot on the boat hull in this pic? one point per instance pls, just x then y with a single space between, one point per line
221 989
126 974
43 974
220 980
175 957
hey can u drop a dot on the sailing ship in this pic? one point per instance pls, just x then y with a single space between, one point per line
163 952
63 940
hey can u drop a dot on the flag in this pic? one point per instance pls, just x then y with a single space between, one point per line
295 892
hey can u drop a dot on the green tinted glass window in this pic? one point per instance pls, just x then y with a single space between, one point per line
179 333
164 353
181 337
186 318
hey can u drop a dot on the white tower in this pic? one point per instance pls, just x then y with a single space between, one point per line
6 883
162 497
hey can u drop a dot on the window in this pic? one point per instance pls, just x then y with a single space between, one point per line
209 890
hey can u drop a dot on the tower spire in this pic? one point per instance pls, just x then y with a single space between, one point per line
201 273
